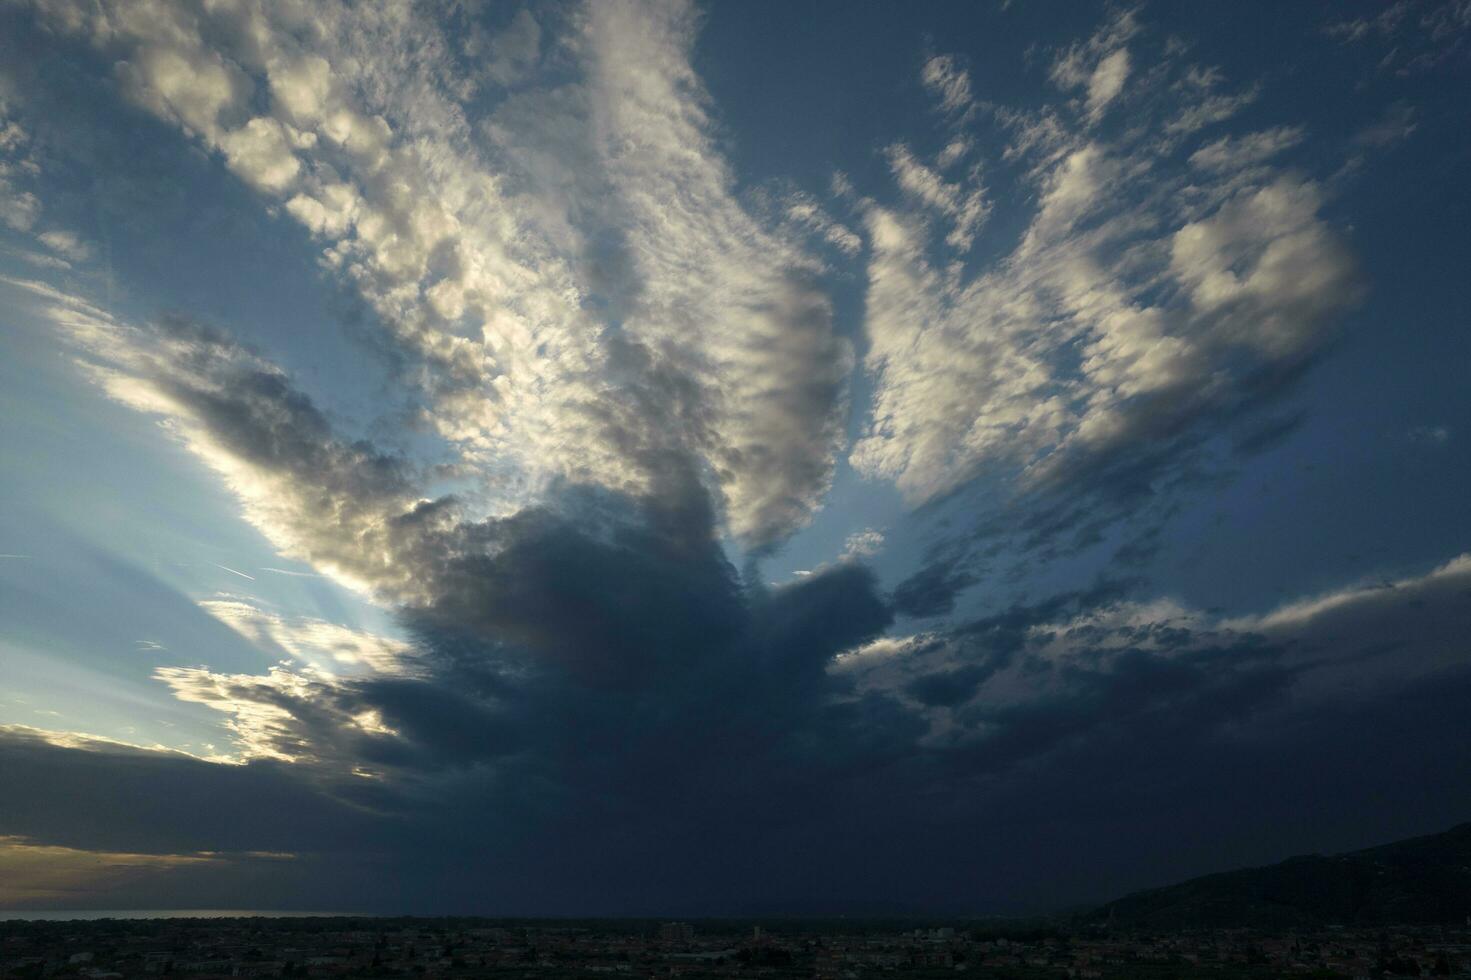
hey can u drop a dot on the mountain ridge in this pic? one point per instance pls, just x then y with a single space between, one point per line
1418 880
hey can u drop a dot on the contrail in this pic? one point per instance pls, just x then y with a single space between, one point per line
232 571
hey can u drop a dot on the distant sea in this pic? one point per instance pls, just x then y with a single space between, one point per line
61 915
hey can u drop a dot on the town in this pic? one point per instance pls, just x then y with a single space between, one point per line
114 949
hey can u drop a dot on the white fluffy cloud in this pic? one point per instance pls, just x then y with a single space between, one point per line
944 76
1098 66
863 544
962 204
585 291
260 154
1142 297
717 296
1240 152
315 643
711 336
66 244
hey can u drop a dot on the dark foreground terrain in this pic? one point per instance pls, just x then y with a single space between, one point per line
1424 880
1397 910
378 947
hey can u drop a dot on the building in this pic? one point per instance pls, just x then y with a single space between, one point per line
677 932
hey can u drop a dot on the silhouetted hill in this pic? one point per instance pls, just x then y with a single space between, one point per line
1420 880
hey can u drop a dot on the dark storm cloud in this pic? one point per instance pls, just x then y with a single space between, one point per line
593 665
596 625
1132 698
601 585
947 688
601 710
564 788
594 688
931 591
168 803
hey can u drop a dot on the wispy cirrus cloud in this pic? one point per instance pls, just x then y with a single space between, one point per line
1414 36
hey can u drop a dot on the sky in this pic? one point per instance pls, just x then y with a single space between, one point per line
660 458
